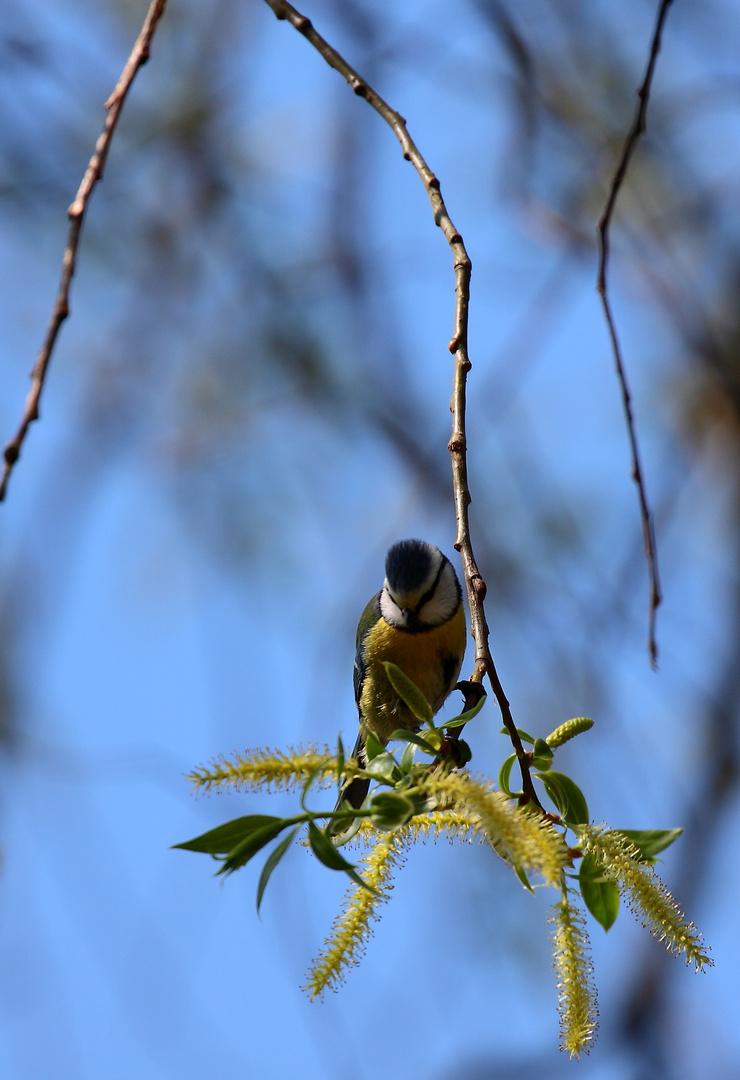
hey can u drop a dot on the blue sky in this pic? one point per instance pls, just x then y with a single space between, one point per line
142 645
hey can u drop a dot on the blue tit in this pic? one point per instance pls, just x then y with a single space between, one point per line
417 621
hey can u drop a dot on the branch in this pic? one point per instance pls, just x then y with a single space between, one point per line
637 129
76 212
476 586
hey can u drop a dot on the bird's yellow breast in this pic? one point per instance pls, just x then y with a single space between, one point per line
430 658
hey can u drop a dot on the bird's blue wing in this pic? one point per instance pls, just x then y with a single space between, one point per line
368 619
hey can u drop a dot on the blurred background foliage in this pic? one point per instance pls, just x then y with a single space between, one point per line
249 404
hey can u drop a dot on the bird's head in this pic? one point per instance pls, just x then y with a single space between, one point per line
421 589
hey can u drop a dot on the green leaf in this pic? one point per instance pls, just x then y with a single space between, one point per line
521 732
326 853
407 758
466 717
503 775
650 842
342 833
520 873
307 785
340 760
324 850
567 796
373 746
240 855
272 860
541 755
600 894
408 692
403 734
388 810
433 736
384 767
223 839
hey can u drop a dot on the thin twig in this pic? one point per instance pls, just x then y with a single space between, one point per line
76 212
637 129
476 587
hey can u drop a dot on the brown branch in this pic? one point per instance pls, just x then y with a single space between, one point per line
637 129
476 587
76 212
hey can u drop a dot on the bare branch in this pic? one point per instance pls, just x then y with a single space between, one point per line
637 129
458 346
76 212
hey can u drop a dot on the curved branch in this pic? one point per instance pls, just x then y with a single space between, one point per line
76 213
637 129
475 585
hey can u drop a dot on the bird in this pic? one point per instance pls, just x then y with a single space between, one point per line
416 621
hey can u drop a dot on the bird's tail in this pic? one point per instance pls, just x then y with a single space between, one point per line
354 791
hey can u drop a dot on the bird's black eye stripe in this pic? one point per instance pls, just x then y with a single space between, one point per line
392 598
431 590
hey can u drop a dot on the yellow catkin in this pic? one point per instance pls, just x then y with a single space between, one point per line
646 895
574 974
351 929
271 769
431 825
454 824
568 731
523 838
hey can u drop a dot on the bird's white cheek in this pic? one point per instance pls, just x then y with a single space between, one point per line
390 610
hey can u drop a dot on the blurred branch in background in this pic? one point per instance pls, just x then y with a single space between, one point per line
76 213
603 229
674 249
